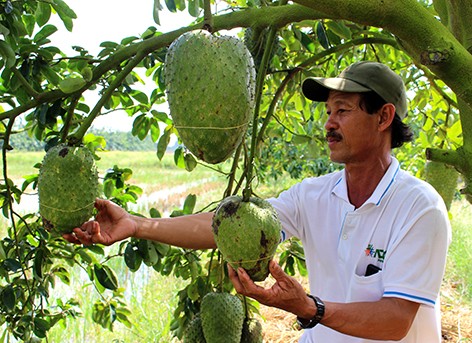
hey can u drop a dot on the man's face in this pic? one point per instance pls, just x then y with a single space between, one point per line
351 132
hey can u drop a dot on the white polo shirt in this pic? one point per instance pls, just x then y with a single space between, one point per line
403 228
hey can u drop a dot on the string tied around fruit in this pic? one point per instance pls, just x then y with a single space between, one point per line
67 211
227 128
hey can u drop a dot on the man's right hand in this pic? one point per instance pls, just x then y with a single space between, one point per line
111 224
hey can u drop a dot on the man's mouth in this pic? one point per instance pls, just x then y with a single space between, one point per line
333 136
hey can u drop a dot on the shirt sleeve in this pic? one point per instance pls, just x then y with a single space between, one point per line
417 257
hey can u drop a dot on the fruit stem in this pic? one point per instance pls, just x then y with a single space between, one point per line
80 133
247 192
69 118
207 16
232 173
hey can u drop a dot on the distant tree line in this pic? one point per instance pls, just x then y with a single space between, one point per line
116 140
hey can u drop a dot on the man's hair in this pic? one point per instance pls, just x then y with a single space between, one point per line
371 102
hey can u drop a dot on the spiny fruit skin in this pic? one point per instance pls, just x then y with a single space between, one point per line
443 178
194 331
252 331
247 234
222 318
210 85
67 187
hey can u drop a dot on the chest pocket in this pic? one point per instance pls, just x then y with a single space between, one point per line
366 288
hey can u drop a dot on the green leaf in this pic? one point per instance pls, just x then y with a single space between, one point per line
132 259
171 6
321 34
45 32
190 161
65 13
7 53
4 30
154 213
163 143
339 28
155 130
189 203
140 96
194 8
38 264
105 276
155 11
179 157
72 84
43 13
8 297
29 22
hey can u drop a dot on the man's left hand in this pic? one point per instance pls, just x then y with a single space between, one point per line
286 293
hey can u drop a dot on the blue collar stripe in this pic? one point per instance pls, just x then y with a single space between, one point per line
389 185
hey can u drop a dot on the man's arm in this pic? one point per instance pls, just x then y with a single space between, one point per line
191 231
386 319
112 224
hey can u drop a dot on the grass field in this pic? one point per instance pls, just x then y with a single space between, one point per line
151 297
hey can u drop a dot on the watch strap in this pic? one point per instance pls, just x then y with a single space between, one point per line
320 309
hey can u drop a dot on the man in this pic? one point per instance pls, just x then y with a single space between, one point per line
375 238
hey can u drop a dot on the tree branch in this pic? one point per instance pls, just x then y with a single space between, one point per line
278 16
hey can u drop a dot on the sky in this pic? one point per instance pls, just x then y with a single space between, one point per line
112 20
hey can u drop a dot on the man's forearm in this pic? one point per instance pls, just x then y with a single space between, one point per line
386 319
191 231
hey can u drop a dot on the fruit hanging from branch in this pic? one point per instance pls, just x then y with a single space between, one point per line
222 317
443 178
210 84
67 187
247 234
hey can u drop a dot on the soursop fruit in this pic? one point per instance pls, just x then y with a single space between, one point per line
252 331
443 178
247 234
222 318
67 187
210 85
194 331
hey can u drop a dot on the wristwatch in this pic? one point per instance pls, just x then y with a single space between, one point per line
320 310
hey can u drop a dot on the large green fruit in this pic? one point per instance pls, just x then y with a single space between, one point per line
247 234
67 187
194 331
252 331
443 178
222 318
210 89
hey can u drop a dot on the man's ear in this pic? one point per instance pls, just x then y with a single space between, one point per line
386 115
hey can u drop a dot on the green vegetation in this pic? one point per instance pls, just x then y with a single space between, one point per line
151 297
459 268
44 94
116 141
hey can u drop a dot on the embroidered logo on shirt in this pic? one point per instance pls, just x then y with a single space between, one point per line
379 254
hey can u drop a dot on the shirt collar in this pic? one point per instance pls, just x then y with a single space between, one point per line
340 188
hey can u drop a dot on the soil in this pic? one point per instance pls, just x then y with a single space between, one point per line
280 326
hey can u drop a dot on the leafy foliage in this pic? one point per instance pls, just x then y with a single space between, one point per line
46 89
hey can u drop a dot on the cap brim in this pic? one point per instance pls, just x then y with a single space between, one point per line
317 88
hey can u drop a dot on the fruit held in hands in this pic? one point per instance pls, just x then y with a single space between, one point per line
210 84
67 187
247 234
